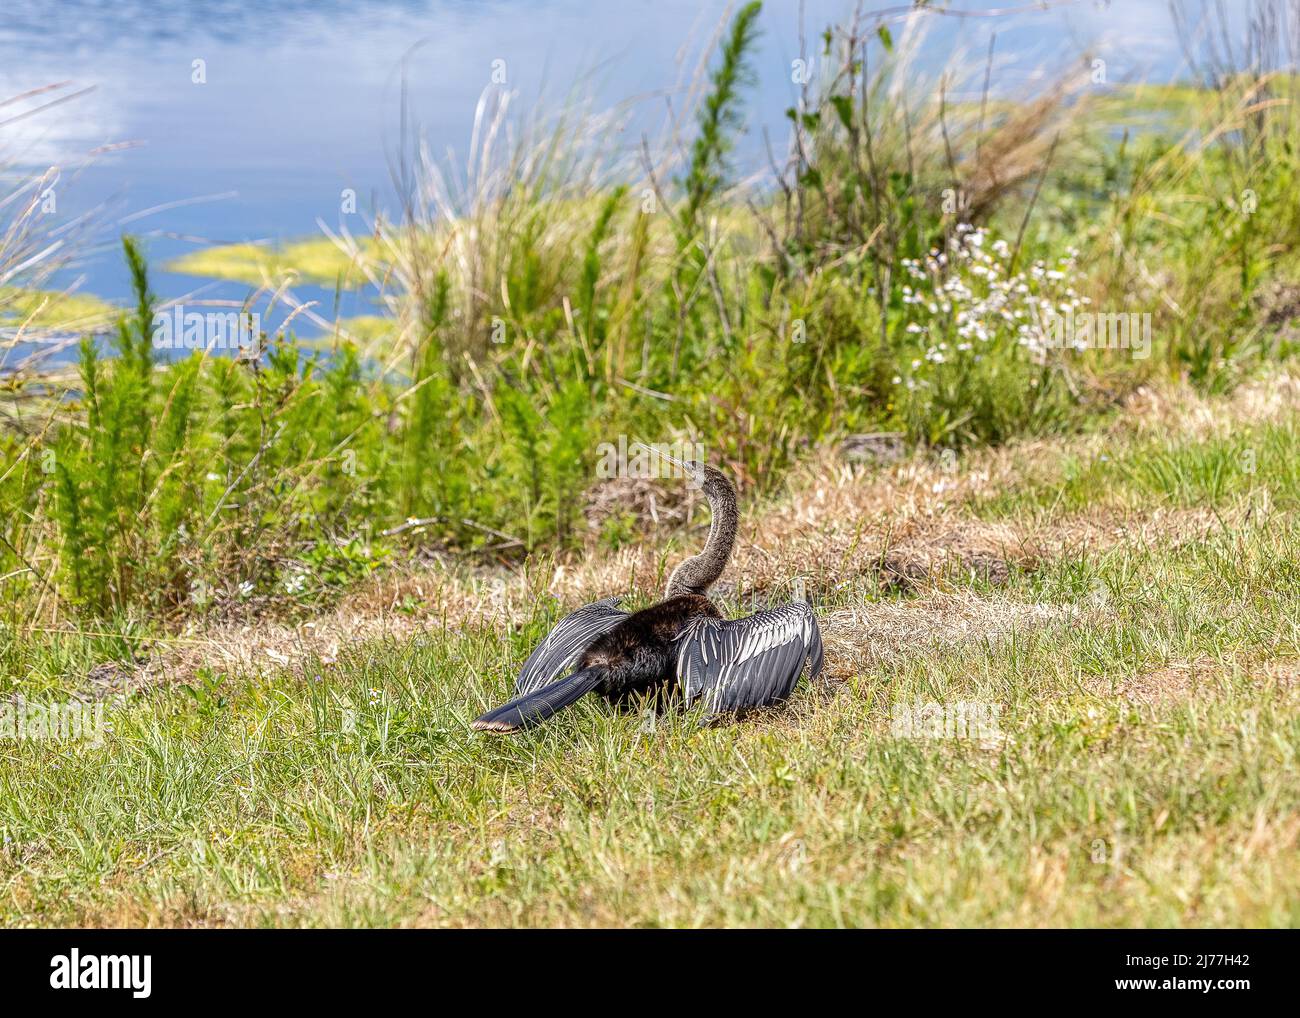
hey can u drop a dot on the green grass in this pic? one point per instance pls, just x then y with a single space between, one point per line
312 260
1211 471
52 309
257 799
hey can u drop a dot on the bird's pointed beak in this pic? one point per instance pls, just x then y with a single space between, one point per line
691 471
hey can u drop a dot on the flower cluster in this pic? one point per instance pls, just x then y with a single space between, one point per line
296 583
961 300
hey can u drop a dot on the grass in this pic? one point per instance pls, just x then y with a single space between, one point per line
52 309
1144 771
315 260
1207 471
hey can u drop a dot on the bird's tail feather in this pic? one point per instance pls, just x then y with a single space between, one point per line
534 708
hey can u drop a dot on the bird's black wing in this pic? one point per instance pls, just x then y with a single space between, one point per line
564 644
750 662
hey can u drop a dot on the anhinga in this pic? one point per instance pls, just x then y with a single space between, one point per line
681 644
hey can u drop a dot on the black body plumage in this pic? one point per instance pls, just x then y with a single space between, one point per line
680 645
636 658
639 655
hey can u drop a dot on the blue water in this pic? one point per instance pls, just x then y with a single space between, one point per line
302 99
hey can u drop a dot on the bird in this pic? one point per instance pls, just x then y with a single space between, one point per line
681 645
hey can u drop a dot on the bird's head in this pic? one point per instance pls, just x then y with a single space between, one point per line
710 480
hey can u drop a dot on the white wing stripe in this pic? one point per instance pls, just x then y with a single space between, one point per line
565 643
749 662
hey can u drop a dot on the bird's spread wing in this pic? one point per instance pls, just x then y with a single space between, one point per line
564 644
750 662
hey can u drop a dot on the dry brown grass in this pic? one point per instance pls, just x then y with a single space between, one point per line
1193 680
861 638
1180 410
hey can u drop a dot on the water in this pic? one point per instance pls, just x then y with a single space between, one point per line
301 99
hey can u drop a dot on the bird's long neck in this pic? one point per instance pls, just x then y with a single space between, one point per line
696 575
